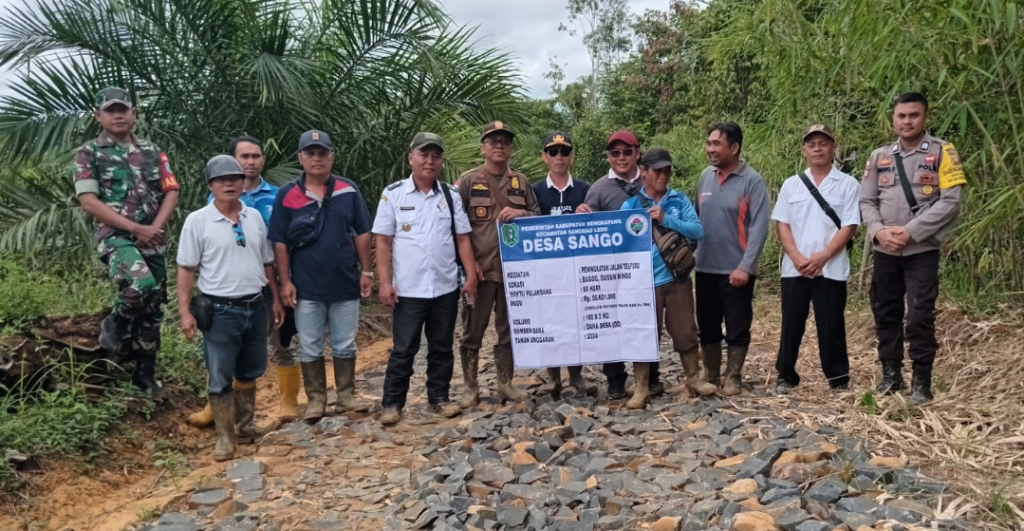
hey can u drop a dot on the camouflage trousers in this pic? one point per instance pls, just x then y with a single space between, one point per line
141 279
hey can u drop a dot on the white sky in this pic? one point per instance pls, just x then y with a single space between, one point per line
526 29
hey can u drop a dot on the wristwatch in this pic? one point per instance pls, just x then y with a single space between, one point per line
368 274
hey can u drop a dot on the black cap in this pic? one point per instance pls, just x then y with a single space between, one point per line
422 140
558 138
113 96
315 138
495 127
656 159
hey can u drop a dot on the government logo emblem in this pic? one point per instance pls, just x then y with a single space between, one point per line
637 225
510 234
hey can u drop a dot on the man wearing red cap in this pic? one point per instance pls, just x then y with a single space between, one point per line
608 194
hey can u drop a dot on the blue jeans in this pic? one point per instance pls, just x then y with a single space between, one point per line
235 347
312 319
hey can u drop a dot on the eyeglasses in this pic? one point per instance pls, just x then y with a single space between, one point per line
616 153
556 151
496 141
239 235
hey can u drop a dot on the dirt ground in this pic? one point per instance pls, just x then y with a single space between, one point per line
124 486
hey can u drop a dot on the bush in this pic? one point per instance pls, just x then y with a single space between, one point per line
27 295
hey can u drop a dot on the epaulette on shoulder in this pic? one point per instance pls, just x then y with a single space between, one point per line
394 185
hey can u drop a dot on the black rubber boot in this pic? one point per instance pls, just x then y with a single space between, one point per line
892 377
112 333
145 375
921 385
734 371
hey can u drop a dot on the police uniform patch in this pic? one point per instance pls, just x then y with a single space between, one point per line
950 172
479 186
481 212
515 182
885 162
930 159
926 178
884 180
384 198
406 227
928 190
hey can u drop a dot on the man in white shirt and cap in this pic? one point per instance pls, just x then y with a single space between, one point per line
817 213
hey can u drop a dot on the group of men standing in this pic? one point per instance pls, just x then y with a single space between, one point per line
273 263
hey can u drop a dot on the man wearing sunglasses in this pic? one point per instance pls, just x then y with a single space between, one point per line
561 194
321 234
226 243
492 191
608 194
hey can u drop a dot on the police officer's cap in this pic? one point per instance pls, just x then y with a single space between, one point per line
111 96
422 140
558 138
313 138
494 128
222 166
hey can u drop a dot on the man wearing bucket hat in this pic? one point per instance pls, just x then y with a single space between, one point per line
127 186
226 244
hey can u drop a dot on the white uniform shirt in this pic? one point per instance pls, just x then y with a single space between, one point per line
226 269
423 250
812 228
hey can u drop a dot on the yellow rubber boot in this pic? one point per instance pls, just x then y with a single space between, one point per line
204 418
289 379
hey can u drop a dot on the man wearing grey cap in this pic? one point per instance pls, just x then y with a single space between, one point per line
422 229
817 213
226 243
321 234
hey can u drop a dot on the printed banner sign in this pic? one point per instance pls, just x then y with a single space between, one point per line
580 288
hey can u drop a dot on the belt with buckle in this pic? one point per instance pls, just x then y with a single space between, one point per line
247 302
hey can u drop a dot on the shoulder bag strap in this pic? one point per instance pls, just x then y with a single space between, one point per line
451 208
829 211
905 183
495 190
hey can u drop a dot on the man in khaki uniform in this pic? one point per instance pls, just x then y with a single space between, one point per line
490 192
910 200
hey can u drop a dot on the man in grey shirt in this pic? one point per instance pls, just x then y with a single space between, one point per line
732 202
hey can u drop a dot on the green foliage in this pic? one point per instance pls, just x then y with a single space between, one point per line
60 420
369 72
27 294
776 66
181 362
868 402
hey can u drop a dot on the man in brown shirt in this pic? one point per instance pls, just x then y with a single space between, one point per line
910 200
490 193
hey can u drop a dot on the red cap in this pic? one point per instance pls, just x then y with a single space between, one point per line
623 136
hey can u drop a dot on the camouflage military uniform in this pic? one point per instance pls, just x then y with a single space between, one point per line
131 180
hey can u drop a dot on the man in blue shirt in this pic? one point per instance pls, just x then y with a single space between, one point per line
321 234
673 297
259 194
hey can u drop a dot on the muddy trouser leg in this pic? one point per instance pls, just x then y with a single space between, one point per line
475 320
503 359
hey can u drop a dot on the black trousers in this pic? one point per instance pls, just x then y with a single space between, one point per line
915 277
829 299
411 315
717 300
